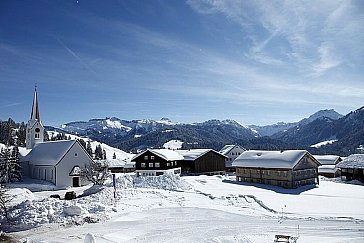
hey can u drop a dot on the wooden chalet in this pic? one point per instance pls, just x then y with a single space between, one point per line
155 162
352 167
202 161
289 169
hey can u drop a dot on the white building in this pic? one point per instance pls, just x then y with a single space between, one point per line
59 162
231 152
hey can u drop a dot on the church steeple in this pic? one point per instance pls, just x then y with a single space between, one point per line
35 108
35 129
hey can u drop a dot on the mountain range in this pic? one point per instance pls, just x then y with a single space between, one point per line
346 133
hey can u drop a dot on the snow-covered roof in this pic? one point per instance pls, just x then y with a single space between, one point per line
194 154
226 149
327 169
49 153
167 154
328 159
286 159
116 163
353 161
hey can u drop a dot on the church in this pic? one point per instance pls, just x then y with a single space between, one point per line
59 162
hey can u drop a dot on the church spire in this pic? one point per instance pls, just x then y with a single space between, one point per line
35 108
35 129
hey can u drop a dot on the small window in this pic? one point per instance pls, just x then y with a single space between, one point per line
152 157
150 165
142 165
76 154
168 164
36 135
146 157
157 164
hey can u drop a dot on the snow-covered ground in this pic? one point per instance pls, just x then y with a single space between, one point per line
317 145
122 158
195 209
173 144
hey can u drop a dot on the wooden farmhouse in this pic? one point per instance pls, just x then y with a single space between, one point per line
117 166
155 162
289 169
352 167
202 161
231 152
59 162
328 165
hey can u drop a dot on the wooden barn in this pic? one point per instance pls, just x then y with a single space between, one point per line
352 167
155 162
328 165
202 161
289 169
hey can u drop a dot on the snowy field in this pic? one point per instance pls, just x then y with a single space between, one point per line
194 209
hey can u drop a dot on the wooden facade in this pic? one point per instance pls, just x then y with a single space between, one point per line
352 168
151 164
210 163
304 172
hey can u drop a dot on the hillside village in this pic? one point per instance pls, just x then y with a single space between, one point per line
50 170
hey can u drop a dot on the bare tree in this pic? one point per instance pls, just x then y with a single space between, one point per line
96 172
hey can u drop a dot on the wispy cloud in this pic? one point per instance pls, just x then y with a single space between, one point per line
322 35
73 54
10 104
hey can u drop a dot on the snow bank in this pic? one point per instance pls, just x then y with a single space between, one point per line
73 210
20 195
167 181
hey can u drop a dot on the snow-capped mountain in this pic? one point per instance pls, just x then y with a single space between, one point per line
136 135
270 130
139 134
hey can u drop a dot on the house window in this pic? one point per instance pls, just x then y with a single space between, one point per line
142 165
268 172
168 164
36 135
150 165
285 174
76 154
152 157
51 174
157 164
146 157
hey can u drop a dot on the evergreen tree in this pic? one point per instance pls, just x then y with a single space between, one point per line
45 136
10 170
82 142
89 148
98 152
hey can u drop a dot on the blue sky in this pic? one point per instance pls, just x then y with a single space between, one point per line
258 62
